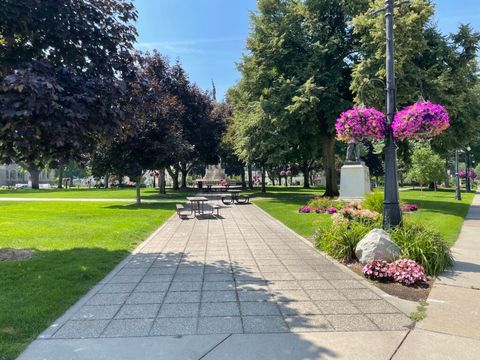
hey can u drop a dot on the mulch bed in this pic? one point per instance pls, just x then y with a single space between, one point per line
15 254
412 293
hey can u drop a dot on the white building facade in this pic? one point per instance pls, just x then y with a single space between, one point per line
12 174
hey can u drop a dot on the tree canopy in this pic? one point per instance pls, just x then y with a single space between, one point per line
295 81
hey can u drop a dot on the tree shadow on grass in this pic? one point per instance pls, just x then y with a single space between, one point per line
143 206
442 207
35 292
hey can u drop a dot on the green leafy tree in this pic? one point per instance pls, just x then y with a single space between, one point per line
426 166
295 80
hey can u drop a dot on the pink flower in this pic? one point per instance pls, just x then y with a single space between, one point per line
331 210
422 121
404 271
360 123
305 209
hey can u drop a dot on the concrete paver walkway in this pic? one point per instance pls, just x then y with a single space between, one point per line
242 285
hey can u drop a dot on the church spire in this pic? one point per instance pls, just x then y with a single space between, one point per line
214 91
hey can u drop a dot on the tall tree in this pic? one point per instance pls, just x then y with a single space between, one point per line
153 137
53 115
42 45
298 72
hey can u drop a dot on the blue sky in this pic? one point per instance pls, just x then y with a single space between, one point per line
208 36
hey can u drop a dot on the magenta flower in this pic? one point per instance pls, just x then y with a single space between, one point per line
409 207
471 174
422 121
361 123
305 209
331 210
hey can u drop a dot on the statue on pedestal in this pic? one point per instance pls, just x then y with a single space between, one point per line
353 152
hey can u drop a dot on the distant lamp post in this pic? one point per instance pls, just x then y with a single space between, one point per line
467 169
458 193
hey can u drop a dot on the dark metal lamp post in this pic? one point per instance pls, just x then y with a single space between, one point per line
458 192
468 188
392 216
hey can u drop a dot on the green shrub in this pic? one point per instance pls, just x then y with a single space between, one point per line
339 239
424 245
374 201
324 203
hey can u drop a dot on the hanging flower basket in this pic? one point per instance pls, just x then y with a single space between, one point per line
420 121
359 124
472 175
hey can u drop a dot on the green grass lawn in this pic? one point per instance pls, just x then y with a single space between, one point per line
84 193
438 209
147 193
76 245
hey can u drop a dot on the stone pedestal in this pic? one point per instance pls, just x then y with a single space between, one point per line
354 181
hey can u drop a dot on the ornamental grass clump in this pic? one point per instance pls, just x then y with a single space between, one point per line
420 121
359 124
340 238
374 201
424 245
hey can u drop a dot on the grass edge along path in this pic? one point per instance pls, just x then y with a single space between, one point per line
438 209
76 245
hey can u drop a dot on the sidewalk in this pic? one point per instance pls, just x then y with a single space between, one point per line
452 327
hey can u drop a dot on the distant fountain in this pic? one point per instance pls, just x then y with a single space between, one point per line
214 173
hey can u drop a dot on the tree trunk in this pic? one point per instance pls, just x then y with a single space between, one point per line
161 181
174 175
137 187
184 172
250 177
306 175
242 176
154 178
329 165
264 186
34 176
60 177
107 177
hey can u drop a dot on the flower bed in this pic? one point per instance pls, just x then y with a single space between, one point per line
420 121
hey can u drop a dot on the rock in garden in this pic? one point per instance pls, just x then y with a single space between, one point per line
377 245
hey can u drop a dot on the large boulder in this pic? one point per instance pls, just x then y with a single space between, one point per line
377 245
